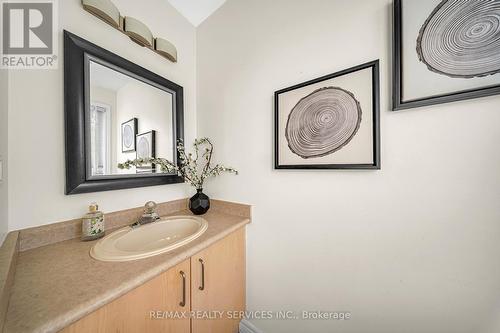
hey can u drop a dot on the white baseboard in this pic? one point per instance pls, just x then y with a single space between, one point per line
248 327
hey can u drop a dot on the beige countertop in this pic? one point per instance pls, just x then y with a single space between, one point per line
57 284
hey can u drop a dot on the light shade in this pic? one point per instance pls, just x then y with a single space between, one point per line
138 31
103 9
165 49
132 27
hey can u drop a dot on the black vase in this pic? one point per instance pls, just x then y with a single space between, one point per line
199 203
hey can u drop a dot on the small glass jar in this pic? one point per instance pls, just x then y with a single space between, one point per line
93 223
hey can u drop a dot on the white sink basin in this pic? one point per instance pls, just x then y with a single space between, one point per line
149 240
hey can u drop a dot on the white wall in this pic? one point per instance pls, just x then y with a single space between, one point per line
36 115
413 247
4 104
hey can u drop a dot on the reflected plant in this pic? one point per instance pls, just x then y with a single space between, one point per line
193 171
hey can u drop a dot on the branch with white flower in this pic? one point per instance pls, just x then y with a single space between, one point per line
188 167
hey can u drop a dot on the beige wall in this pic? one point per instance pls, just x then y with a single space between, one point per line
36 115
413 247
4 104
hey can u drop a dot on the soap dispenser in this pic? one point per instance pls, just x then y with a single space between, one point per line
93 223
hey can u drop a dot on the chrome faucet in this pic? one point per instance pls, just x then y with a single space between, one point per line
149 215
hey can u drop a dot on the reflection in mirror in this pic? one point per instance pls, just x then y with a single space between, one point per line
129 118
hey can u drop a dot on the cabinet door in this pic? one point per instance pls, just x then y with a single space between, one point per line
132 312
218 283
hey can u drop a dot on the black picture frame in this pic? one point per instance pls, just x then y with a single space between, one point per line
76 52
374 65
135 122
397 73
152 149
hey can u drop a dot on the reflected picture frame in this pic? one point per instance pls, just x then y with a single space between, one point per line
128 135
146 148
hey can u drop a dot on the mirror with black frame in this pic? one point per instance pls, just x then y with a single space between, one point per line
127 118
116 111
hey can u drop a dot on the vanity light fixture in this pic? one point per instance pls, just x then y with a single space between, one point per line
105 10
165 49
132 27
138 31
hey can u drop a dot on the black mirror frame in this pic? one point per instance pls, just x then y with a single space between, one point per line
75 49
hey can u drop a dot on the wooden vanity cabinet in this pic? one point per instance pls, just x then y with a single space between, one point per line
214 284
218 285
131 312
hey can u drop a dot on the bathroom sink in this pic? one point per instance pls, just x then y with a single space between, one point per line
148 240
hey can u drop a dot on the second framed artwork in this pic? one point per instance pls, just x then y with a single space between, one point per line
146 148
331 122
445 51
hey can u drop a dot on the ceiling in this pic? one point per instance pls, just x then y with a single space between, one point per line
196 11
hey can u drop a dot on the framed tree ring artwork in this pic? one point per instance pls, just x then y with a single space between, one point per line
331 122
129 132
146 148
445 51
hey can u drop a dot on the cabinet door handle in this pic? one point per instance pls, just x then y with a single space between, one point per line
183 302
202 287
